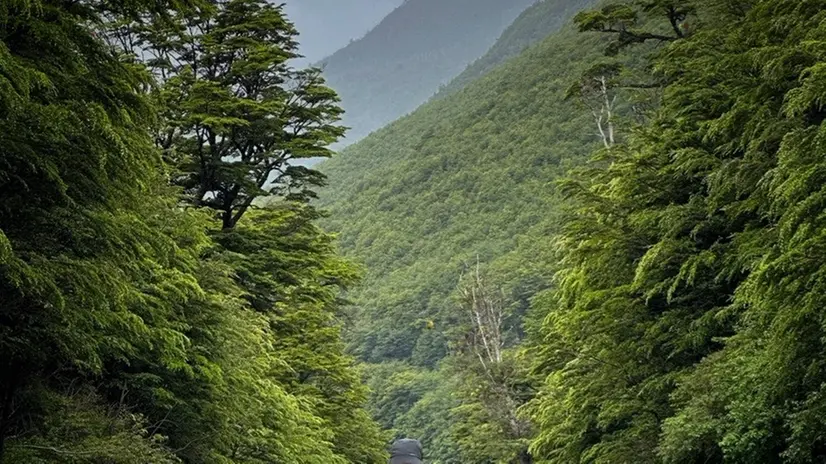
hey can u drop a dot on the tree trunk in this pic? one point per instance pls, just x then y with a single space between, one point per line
6 409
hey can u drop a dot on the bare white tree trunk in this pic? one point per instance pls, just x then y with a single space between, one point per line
486 313
605 116
485 309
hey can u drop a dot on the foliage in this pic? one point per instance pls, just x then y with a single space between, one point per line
237 116
290 271
463 177
82 258
626 22
492 382
487 425
80 428
133 327
684 325
415 402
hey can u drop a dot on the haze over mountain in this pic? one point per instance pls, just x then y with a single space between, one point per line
404 60
328 25
532 26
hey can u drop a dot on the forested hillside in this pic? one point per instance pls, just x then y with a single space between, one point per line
534 25
149 311
418 47
606 250
609 249
420 199
464 178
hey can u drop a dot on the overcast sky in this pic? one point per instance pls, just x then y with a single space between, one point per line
327 25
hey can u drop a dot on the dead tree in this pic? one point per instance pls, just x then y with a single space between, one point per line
596 90
485 309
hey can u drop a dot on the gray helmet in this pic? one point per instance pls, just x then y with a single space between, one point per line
406 451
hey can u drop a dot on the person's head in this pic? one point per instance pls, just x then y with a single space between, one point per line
406 451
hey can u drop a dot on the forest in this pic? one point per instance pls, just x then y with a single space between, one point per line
600 243
607 248
165 293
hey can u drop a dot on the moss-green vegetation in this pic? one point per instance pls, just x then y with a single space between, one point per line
674 279
148 312
687 323
463 178
607 250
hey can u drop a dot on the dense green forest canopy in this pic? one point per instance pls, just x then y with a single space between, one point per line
165 295
686 325
607 249
464 178
419 200
644 199
491 137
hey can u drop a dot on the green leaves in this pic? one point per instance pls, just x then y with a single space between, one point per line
688 286
623 18
617 16
238 117
132 329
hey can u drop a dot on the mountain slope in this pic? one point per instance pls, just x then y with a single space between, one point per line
469 175
418 47
468 178
328 25
533 25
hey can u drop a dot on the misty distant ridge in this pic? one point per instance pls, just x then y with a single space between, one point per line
325 26
404 60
